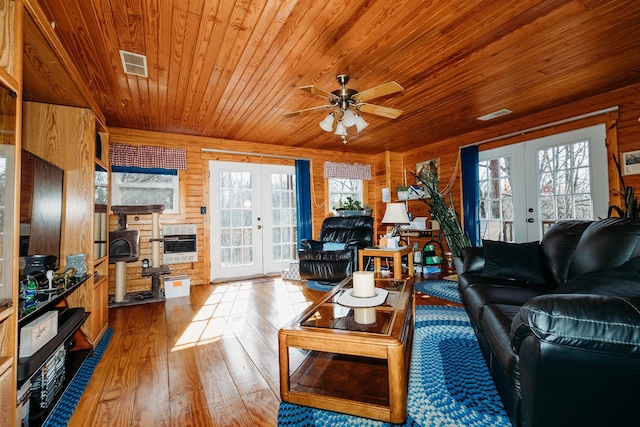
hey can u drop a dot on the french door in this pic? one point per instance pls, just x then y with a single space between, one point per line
525 188
253 218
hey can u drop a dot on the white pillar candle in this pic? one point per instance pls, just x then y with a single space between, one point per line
365 316
363 284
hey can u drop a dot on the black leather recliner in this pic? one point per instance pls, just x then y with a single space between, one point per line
559 322
320 262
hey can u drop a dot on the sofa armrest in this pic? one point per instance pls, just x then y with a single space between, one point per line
592 322
311 244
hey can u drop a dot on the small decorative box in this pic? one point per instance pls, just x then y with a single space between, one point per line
35 334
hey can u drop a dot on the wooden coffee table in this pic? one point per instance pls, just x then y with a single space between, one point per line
328 360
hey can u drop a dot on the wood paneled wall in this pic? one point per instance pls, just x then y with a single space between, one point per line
194 190
388 168
623 134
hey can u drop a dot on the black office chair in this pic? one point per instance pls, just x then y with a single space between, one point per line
334 255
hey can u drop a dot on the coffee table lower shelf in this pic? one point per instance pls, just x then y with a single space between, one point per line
354 385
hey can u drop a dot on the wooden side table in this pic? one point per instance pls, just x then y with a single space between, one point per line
396 253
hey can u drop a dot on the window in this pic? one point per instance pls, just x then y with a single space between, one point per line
340 189
140 187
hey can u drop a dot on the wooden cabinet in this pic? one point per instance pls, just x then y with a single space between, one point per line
11 41
10 98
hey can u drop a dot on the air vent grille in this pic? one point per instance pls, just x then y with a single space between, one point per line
133 63
495 114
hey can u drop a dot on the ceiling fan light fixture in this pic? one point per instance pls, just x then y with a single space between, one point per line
327 123
341 129
349 118
360 123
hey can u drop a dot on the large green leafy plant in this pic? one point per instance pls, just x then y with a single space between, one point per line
443 213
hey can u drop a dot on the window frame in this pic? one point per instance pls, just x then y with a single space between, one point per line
359 194
175 185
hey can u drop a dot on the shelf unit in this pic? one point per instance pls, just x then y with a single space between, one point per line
77 345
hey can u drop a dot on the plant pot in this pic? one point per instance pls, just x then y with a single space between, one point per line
403 195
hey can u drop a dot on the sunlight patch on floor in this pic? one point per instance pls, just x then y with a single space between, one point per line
222 315
291 300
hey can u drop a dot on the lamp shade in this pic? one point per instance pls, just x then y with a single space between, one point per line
349 118
396 213
327 123
360 123
341 129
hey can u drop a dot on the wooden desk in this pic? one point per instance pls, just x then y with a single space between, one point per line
395 253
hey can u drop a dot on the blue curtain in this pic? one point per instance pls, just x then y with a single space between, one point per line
470 193
303 200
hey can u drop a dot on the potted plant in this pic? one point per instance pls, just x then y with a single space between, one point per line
445 215
403 192
350 207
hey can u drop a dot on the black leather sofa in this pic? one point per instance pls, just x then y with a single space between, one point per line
559 322
324 260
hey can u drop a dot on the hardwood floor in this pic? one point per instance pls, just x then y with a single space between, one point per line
207 360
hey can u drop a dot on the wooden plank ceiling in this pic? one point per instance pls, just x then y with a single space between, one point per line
230 69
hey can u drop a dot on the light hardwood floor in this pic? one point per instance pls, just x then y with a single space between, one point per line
207 360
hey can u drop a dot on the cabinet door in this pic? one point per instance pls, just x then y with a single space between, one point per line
100 314
6 398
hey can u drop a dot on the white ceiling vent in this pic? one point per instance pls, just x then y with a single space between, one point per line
495 114
133 63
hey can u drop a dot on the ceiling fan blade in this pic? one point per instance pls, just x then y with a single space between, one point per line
317 91
296 113
388 112
378 91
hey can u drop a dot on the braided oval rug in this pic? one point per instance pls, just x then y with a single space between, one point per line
444 289
449 383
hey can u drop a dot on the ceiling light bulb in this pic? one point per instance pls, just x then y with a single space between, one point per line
360 123
327 123
349 118
341 129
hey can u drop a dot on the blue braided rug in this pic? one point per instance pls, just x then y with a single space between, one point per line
444 289
320 286
449 383
61 414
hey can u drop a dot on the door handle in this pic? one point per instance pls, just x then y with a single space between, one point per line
530 220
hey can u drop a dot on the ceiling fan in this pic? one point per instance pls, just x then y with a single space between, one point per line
344 101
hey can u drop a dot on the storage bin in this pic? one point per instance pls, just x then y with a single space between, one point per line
177 286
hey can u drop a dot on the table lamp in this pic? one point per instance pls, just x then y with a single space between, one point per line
396 214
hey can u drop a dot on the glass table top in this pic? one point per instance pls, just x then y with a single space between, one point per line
330 313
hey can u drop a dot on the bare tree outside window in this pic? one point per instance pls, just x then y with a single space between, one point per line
564 189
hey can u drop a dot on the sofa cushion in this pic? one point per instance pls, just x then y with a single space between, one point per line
516 261
557 248
472 259
620 281
497 326
606 244
476 297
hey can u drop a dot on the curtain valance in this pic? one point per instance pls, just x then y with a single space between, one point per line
347 171
145 156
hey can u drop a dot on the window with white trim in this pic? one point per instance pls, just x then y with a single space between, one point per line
140 187
340 189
